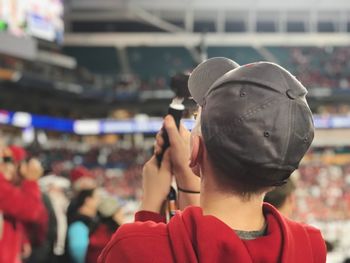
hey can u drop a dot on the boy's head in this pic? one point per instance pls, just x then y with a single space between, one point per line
255 122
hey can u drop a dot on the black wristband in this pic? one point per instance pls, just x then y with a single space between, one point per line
187 191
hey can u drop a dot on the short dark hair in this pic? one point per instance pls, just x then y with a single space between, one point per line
239 177
278 196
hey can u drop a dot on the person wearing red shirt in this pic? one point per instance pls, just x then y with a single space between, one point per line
253 128
18 205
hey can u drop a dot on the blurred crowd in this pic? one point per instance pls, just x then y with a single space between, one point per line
321 66
115 169
67 213
323 185
323 191
323 197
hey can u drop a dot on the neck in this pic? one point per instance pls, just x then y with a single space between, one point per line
233 210
86 211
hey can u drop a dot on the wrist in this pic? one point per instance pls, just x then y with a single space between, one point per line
151 205
187 191
186 179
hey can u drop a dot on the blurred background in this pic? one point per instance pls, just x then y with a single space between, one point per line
86 83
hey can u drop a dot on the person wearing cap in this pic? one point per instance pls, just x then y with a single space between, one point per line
18 205
33 233
253 128
82 179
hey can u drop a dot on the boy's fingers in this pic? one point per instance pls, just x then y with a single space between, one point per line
171 129
165 165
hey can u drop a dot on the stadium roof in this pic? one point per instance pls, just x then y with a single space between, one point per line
208 16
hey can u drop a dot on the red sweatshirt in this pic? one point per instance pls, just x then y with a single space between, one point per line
97 241
18 204
192 237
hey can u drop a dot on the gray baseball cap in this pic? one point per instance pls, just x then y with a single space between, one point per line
255 115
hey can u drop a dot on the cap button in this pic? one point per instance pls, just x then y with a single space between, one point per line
291 94
266 134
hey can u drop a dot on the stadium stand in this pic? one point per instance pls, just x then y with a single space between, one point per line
153 62
99 60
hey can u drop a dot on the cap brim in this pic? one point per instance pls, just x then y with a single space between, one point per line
205 74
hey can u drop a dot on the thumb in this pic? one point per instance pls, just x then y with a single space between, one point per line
170 127
152 161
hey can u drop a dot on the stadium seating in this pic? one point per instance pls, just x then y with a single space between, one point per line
153 62
100 60
152 67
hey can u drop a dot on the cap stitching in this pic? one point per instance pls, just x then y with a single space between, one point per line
272 86
232 125
290 128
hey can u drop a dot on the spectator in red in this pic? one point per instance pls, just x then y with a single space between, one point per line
34 233
18 205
